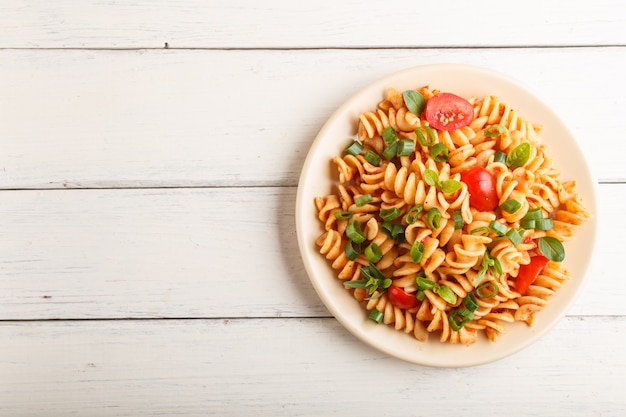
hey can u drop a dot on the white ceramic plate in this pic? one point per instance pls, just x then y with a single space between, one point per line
316 180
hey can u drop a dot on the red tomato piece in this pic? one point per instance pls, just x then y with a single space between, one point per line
446 111
528 273
400 298
481 185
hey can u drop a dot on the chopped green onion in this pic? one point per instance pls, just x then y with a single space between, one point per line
343 215
351 251
459 318
450 186
389 135
470 302
487 290
387 227
390 214
497 266
499 157
511 206
417 251
528 223
439 152
533 214
479 230
494 131
376 315
551 248
362 200
373 252
434 218
414 101
544 224
397 232
458 219
424 283
405 147
354 232
445 293
413 214
432 136
514 237
360 283
372 157
390 151
497 227
519 156
421 295
355 148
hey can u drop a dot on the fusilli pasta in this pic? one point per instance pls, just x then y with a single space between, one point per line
405 233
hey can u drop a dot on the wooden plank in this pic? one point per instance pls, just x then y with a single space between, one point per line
90 119
184 253
325 23
292 367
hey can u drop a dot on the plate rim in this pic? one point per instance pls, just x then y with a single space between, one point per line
382 83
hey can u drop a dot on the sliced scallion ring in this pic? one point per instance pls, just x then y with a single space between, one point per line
497 227
424 283
544 224
389 135
470 302
434 218
458 219
494 131
390 214
413 214
417 251
499 157
487 290
343 215
439 152
373 252
371 157
376 315
514 236
511 206
354 232
352 251
390 151
355 148
405 147
362 200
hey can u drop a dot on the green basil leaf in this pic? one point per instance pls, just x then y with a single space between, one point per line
518 156
551 248
446 293
414 101
450 186
431 177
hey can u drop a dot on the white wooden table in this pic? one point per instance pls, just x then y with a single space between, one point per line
149 159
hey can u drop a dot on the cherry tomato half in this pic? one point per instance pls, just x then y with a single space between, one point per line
481 185
446 111
400 298
528 273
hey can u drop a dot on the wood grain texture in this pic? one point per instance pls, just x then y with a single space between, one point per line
225 252
90 119
242 367
322 24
